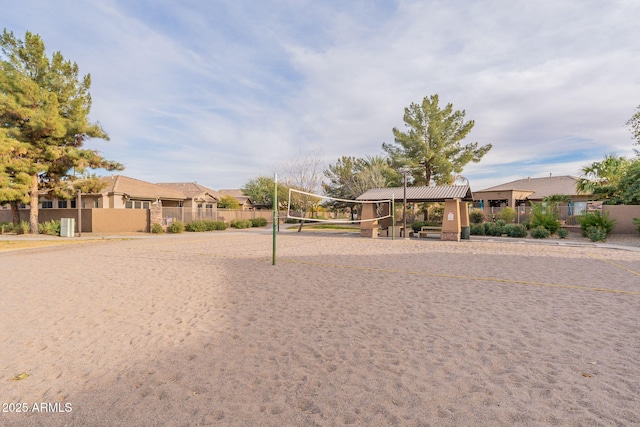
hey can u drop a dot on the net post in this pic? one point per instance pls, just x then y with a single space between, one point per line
275 217
393 216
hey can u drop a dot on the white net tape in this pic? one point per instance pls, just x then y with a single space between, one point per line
303 202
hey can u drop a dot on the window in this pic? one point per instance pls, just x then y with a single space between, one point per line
136 204
62 204
209 206
47 204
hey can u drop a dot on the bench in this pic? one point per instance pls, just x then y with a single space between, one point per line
424 231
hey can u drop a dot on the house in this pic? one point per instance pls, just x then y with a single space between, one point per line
196 196
525 192
130 193
244 200
199 202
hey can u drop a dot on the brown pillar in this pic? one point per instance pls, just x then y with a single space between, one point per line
451 222
368 228
155 214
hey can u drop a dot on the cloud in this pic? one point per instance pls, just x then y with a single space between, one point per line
221 92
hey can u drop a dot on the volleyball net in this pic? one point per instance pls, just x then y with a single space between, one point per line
309 207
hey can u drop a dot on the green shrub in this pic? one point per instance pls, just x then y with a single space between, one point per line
217 225
501 223
23 228
196 226
6 227
493 229
596 233
636 221
477 230
563 233
489 228
417 226
508 214
476 216
595 219
240 223
51 228
205 225
157 228
546 217
258 222
176 227
540 232
515 230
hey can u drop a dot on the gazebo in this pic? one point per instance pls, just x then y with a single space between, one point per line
455 198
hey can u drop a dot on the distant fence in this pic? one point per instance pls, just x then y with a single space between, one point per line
97 220
187 215
569 216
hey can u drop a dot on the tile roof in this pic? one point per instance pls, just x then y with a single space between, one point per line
192 190
541 187
139 189
437 193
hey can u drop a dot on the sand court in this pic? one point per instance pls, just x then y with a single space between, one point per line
201 329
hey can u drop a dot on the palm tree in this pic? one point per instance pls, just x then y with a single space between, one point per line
603 177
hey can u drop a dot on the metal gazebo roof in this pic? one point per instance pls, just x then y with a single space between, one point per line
438 193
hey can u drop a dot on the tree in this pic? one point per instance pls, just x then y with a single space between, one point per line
304 174
14 179
629 185
228 202
432 142
350 177
602 178
44 108
260 191
634 126
90 184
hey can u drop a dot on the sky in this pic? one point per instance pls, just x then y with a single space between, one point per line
223 91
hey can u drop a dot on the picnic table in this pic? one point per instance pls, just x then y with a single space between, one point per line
425 230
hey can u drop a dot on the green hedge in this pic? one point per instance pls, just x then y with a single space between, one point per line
595 219
240 223
540 232
258 222
515 230
176 227
476 216
51 228
206 225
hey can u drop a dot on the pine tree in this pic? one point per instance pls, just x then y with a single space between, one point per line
44 108
431 146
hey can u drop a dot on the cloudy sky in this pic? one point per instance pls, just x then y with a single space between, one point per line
222 91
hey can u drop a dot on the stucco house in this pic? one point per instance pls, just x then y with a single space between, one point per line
199 202
130 193
525 192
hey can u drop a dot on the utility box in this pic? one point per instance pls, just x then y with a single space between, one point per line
67 227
